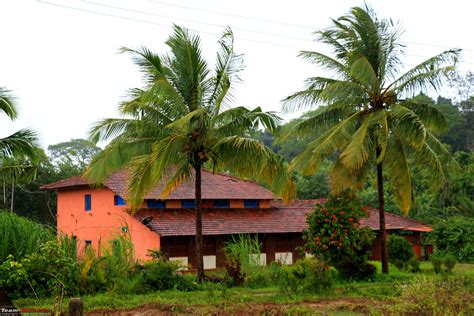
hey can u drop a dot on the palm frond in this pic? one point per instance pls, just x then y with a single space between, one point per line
359 149
6 104
431 117
251 158
116 156
326 62
408 126
19 143
399 173
188 65
429 73
228 66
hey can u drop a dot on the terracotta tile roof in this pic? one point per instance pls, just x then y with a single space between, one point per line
290 218
65 183
214 186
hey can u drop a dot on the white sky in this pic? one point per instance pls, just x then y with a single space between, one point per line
63 67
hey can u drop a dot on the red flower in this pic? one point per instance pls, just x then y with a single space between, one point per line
350 219
341 213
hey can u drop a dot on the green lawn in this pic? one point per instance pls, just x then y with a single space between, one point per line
387 293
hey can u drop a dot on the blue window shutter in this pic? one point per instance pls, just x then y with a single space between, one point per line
251 203
118 200
188 203
155 204
88 202
221 204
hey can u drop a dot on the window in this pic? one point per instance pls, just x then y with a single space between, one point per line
118 200
251 204
221 203
188 203
155 204
284 257
209 262
88 202
88 243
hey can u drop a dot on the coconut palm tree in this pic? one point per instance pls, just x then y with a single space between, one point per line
181 123
363 116
21 144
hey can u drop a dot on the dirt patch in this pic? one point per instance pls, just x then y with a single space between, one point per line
322 307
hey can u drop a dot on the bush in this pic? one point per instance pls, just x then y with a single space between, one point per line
357 270
335 237
162 275
400 251
306 275
455 236
20 236
449 262
433 296
438 260
414 264
241 254
437 263
108 272
48 272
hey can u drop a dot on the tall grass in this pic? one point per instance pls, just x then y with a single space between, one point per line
20 236
245 249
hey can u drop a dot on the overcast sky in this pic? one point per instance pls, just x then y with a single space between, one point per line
60 57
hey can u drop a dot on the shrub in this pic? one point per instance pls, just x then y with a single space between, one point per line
241 256
356 270
107 272
400 251
414 264
449 262
49 271
160 275
433 296
437 263
20 236
306 275
335 237
438 260
455 236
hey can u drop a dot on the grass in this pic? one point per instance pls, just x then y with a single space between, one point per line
346 298
21 236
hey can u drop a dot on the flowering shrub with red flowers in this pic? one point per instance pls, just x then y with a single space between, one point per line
335 237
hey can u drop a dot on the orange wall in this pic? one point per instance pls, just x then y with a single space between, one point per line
103 222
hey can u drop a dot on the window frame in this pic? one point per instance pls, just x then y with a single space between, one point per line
221 203
119 201
87 202
153 203
251 203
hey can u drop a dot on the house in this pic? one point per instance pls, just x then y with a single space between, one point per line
231 206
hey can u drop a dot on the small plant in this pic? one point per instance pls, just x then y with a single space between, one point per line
400 251
437 263
438 260
306 275
242 254
449 262
156 255
414 264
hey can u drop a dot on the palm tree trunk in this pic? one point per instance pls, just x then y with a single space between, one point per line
198 210
13 195
383 236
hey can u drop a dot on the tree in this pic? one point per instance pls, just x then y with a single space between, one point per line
181 123
72 156
363 117
15 149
